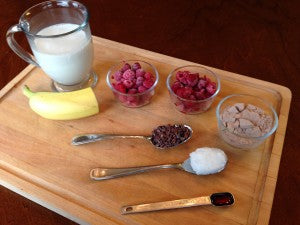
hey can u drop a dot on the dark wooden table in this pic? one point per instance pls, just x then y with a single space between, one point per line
260 39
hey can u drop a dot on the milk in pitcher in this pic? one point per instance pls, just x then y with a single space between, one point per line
67 59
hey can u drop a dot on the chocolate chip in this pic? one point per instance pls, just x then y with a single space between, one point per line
169 135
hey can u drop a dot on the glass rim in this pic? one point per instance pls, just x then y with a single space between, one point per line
189 100
126 61
80 26
275 122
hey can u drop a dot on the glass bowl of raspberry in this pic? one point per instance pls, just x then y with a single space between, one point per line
193 88
132 82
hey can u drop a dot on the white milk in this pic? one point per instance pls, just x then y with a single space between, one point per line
68 59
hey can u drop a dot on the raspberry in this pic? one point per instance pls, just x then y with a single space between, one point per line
176 85
139 81
129 74
117 76
132 91
122 98
120 87
211 89
192 97
202 83
120 81
128 83
148 83
134 81
184 92
148 76
125 67
200 95
192 79
132 99
181 76
142 89
179 92
136 66
140 73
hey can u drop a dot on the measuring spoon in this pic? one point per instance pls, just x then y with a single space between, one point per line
109 173
89 138
216 199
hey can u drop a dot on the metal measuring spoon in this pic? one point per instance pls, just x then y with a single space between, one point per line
109 173
89 138
215 164
215 199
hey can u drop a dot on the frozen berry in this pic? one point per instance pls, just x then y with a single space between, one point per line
132 91
176 85
201 83
128 83
192 79
181 76
142 89
122 98
139 81
129 74
148 83
136 66
125 67
211 89
184 92
148 76
140 73
117 75
120 87
187 92
200 95
192 97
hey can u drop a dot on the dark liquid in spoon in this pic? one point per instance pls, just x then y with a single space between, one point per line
221 199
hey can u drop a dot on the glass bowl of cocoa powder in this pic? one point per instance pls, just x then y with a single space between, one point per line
245 121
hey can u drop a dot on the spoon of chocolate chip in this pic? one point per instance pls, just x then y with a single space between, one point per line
162 137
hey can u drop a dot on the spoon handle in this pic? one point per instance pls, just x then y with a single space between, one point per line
109 173
174 204
89 138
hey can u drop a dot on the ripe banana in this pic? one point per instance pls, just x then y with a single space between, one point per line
63 105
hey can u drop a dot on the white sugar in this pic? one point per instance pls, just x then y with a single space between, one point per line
208 160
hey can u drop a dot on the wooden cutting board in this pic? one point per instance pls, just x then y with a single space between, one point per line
38 162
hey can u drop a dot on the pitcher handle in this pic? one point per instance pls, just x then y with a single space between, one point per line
16 47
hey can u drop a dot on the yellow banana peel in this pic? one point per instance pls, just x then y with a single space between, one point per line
63 105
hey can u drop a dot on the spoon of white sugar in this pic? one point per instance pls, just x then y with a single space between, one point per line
202 161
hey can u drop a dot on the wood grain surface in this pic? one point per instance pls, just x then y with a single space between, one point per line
256 38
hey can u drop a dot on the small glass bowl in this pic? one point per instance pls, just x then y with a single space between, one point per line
243 141
192 106
133 100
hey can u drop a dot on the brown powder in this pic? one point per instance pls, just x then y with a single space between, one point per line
246 121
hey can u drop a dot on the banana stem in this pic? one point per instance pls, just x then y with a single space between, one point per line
27 91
